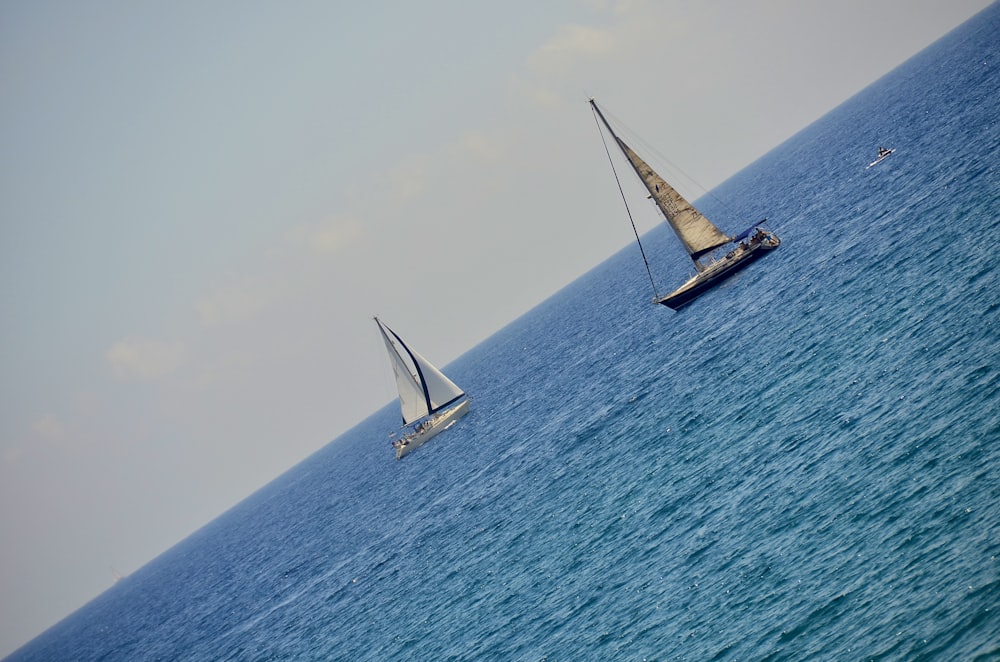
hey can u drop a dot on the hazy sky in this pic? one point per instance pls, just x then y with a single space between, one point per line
203 205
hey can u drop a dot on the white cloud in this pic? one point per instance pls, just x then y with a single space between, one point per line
409 178
480 146
626 41
328 238
49 428
569 43
11 455
144 360
231 304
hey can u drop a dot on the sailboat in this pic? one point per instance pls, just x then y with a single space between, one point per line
429 401
715 255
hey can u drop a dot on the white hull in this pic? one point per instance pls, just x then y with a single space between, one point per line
880 159
429 428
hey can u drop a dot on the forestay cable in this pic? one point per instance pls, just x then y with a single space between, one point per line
625 200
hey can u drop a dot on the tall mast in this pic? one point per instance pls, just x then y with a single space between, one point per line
697 233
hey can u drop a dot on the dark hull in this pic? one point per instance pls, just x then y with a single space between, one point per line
707 280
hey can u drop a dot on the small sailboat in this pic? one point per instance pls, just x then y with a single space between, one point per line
429 401
715 255
883 152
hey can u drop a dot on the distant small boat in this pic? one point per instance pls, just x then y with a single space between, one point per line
883 153
429 401
703 241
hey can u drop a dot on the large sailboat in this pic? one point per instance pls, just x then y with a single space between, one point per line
715 255
430 402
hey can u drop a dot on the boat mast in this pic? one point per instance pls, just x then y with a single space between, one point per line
622 192
697 234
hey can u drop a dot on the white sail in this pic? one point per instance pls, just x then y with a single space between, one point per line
440 389
423 389
698 234
411 397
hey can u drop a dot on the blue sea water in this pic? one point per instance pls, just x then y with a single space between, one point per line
802 464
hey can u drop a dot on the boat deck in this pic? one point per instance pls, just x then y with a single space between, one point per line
733 261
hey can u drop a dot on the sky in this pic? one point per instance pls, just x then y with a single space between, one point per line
204 204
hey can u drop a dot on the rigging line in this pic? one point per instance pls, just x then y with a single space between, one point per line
647 148
638 141
629 211
387 385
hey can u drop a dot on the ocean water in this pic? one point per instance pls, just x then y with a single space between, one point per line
802 464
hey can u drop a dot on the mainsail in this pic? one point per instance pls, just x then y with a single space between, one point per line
698 234
423 389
